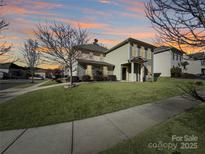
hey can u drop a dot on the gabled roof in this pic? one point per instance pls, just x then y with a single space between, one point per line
131 40
92 47
166 48
197 56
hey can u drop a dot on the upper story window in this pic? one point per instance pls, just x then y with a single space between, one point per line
133 51
142 53
149 54
145 53
101 57
138 51
91 55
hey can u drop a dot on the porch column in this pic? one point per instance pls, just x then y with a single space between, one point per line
105 71
89 71
132 72
141 73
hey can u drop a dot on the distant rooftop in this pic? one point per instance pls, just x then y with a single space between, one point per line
198 55
166 48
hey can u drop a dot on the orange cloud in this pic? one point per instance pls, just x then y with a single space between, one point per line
86 25
105 1
141 35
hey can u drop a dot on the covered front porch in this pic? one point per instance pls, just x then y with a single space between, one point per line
94 68
136 70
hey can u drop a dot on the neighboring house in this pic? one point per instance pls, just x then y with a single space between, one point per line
12 71
196 63
132 60
166 58
40 72
91 60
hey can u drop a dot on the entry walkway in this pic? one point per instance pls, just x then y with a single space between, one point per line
92 135
11 93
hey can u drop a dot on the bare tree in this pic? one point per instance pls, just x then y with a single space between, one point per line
4 48
59 42
180 22
31 56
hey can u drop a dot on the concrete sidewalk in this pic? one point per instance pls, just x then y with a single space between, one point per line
92 135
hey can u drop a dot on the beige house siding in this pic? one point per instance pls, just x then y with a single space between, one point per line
123 54
91 56
117 57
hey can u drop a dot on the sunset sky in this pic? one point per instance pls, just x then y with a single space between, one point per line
110 21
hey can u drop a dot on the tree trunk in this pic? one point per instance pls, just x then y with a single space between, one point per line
71 75
32 75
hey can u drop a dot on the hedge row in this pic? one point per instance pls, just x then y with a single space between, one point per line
87 78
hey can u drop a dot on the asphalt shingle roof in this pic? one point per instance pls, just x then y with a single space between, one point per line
92 47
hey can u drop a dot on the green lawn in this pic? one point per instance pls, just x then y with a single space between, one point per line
190 123
55 105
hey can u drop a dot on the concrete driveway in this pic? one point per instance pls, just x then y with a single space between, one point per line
92 135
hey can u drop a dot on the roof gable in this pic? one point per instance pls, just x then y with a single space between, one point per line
132 41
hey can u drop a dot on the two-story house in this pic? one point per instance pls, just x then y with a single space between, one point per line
166 58
91 60
196 63
132 60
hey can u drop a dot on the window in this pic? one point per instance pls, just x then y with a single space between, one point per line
138 51
101 57
149 54
91 55
177 56
146 50
203 71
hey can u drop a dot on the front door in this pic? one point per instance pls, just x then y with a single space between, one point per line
124 73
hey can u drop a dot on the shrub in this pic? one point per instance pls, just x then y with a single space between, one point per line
188 76
98 77
176 72
105 78
86 78
112 78
74 78
156 76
